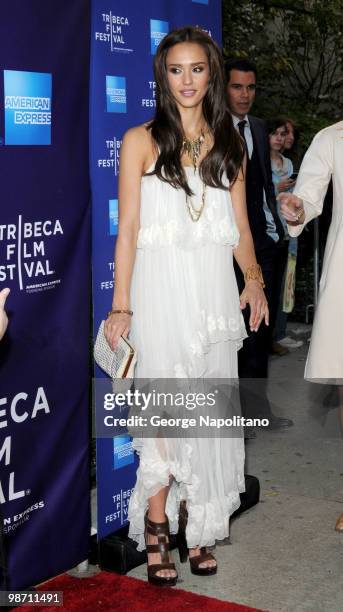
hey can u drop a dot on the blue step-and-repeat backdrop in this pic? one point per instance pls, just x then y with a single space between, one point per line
125 35
45 260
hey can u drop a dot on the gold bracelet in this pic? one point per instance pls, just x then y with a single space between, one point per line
254 272
120 311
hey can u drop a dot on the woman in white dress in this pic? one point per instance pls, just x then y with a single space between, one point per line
182 215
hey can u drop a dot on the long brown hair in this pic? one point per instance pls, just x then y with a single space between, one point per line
227 152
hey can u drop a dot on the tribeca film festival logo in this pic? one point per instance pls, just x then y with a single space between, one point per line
116 94
27 107
158 30
108 284
13 412
112 155
121 506
114 30
25 253
150 100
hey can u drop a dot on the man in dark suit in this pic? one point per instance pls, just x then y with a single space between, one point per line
267 233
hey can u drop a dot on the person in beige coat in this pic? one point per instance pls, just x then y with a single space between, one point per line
323 161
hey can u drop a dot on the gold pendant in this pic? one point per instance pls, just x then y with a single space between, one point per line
192 148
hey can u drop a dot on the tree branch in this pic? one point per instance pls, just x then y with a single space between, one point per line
285 6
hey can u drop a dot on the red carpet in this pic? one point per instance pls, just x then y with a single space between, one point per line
107 591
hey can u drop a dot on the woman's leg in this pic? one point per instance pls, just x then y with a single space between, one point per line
156 513
157 505
222 364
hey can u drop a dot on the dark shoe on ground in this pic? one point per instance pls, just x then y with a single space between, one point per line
201 558
276 422
278 349
203 555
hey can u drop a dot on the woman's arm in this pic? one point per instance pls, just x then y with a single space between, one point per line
244 253
133 155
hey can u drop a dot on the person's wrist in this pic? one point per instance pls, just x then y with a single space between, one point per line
122 311
254 273
123 303
253 282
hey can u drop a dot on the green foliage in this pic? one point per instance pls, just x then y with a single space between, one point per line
297 46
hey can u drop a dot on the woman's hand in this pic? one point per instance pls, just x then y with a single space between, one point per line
292 208
254 295
285 184
3 316
117 325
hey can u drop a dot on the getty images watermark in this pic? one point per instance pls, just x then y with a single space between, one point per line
172 408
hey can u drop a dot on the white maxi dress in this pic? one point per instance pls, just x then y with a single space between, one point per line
187 323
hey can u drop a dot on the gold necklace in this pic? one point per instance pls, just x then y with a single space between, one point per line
193 149
195 213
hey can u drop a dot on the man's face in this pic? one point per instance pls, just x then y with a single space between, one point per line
241 90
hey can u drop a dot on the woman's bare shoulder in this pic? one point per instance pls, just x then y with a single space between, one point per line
139 134
138 141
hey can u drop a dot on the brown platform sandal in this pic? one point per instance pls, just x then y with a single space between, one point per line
161 530
196 561
183 550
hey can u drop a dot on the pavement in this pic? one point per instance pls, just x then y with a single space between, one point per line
284 555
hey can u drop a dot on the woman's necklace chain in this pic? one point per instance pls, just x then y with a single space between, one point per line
192 148
195 213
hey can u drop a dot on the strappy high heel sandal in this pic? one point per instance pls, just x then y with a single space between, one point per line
204 556
161 531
